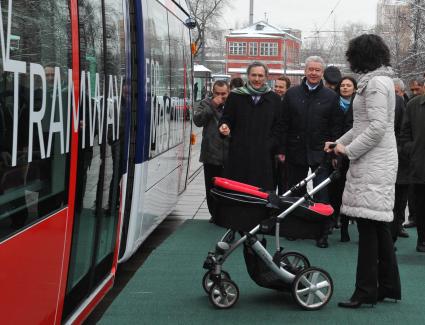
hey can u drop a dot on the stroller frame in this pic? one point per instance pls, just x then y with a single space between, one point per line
312 287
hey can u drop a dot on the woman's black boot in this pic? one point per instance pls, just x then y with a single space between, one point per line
345 236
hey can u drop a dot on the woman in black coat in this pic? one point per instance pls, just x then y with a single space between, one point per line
251 118
346 89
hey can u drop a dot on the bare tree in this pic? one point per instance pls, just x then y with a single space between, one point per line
206 13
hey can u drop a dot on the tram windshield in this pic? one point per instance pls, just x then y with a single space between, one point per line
34 66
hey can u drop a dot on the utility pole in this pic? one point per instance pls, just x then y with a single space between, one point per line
251 12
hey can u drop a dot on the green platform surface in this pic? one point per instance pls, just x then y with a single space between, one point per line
167 288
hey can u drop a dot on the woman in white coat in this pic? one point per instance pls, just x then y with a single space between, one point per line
369 190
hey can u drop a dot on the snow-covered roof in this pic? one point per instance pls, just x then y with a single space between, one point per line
200 68
253 35
262 28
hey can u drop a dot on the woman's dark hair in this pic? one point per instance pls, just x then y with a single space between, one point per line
338 86
367 52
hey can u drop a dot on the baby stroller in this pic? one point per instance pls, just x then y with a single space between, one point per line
248 211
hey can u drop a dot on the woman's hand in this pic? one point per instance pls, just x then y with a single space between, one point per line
338 149
224 129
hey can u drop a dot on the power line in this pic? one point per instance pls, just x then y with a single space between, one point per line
330 14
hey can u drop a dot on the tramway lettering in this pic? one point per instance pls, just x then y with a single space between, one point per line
51 104
167 113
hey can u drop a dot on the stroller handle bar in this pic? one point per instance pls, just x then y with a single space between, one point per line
323 166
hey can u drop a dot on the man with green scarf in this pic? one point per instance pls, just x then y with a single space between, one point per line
251 118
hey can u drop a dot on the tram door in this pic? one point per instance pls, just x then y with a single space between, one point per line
101 139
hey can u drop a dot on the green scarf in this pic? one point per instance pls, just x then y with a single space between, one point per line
251 91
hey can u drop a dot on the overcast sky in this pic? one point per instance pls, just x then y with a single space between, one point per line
307 15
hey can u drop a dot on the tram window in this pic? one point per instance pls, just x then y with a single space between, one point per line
158 73
115 139
33 112
178 91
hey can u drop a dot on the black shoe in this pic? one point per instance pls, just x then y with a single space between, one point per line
420 247
410 224
382 297
403 233
354 303
345 236
322 242
212 220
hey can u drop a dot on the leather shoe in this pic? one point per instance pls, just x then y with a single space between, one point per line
420 247
353 304
382 297
403 233
410 224
322 242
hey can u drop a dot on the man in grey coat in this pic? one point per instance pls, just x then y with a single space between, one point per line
214 147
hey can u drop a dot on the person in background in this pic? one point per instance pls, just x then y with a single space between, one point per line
195 91
236 83
369 190
281 85
416 86
346 89
251 118
332 76
400 89
412 139
207 114
402 182
311 116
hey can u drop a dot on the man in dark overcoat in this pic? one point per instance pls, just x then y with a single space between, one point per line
251 118
412 138
402 182
311 116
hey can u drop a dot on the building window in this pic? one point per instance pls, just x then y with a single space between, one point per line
253 49
268 49
237 48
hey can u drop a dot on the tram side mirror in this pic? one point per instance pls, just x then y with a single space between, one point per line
190 23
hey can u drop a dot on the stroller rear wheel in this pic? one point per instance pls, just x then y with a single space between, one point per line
207 282
224 294
294 262
312 288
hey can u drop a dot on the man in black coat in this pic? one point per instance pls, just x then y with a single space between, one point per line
311 116
412 138
402 182
251 118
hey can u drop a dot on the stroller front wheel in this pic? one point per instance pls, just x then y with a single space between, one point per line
224 295
312 288
294 262
207 282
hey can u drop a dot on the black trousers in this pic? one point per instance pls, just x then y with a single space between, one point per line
296 173
211 171
400 203
377 269
281 176
412 204
420 211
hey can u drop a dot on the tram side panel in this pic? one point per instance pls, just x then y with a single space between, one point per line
165 140
34 161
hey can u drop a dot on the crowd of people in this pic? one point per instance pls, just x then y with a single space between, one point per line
271 138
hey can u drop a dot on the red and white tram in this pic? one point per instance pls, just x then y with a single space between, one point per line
95 130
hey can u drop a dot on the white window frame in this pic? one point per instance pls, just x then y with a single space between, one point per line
268 49
253 46
237 48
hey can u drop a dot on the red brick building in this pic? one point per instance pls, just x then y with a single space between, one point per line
279 49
